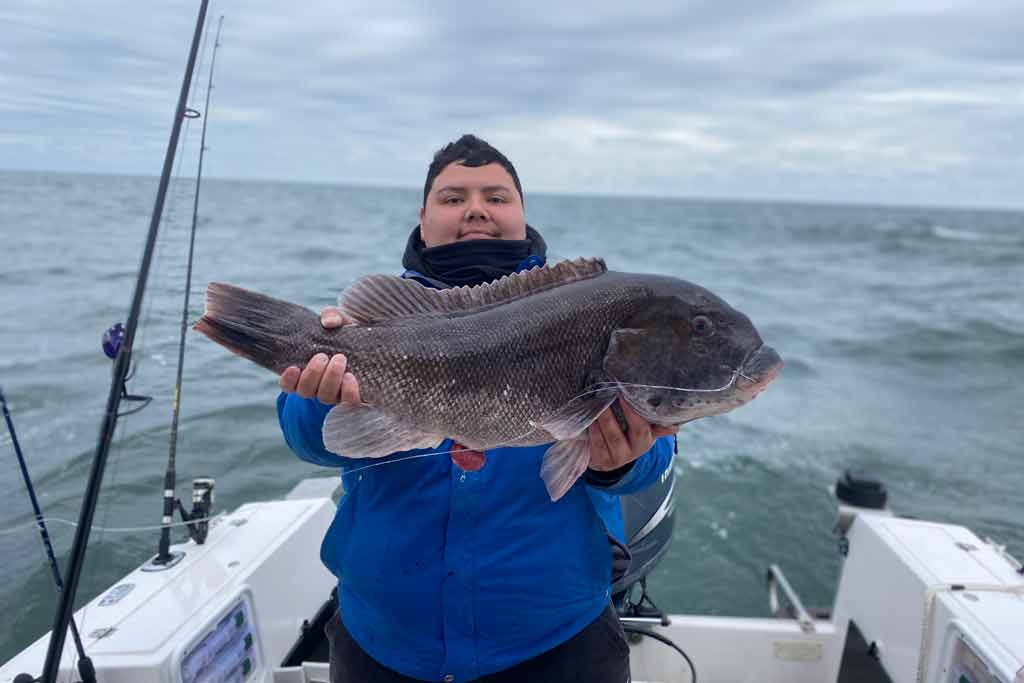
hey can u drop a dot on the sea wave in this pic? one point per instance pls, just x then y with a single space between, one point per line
970 340
965 235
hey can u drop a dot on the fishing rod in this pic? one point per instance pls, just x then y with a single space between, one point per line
85 667
202 488
117 384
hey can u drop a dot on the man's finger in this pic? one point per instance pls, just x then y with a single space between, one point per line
332 316
639 436
309 381
618 446
289 379
330 384
599 456
350 389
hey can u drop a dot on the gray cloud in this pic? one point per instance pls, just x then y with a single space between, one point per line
912 103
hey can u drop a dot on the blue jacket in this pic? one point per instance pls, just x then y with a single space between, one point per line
444 572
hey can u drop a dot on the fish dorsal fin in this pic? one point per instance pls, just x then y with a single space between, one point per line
379 298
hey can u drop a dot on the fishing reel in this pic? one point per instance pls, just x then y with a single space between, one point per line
198 521
113 341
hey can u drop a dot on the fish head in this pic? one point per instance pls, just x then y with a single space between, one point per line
688 354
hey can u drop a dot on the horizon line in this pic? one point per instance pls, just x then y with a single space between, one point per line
546 193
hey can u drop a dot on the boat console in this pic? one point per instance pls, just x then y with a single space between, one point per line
228 611
933 602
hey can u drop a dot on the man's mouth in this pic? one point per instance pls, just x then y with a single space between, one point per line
477 235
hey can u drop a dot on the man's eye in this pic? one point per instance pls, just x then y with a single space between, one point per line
497 200
452 200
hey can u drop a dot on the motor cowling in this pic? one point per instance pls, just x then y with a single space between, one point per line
649 518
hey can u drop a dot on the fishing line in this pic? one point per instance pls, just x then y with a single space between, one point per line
602 386
415 456
599 387
117 530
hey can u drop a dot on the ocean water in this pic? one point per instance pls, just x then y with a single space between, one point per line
902 331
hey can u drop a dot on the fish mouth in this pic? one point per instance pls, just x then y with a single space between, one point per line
754 374
758 370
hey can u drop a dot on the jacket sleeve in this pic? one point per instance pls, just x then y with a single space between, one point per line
302 420
645 470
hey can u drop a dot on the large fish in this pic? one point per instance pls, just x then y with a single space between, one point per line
531 358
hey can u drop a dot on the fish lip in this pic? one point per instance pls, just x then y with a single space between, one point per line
759 368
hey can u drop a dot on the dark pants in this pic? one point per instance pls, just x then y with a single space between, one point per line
597 654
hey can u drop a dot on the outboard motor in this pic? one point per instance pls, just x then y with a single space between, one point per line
649 517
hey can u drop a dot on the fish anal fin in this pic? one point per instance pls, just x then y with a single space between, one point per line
363 431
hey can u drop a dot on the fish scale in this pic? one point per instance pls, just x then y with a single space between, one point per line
441 376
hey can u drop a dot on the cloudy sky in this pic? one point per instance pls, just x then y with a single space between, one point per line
905 102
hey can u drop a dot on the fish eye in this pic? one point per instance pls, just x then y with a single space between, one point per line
702 325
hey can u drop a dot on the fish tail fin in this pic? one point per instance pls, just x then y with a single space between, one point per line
255 326
564 463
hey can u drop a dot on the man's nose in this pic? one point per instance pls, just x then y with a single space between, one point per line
476 209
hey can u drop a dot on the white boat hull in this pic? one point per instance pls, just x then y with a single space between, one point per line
233 608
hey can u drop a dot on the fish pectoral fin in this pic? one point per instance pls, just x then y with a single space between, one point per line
570 420
564 463
365 432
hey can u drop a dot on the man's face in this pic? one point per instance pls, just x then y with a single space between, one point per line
472 203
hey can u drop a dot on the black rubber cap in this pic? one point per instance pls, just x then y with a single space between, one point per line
861 489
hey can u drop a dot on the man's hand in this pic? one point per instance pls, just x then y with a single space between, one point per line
610 448
324 378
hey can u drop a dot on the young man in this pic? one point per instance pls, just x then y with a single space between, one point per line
454 575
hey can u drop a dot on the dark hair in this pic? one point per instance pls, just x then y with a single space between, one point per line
469 150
